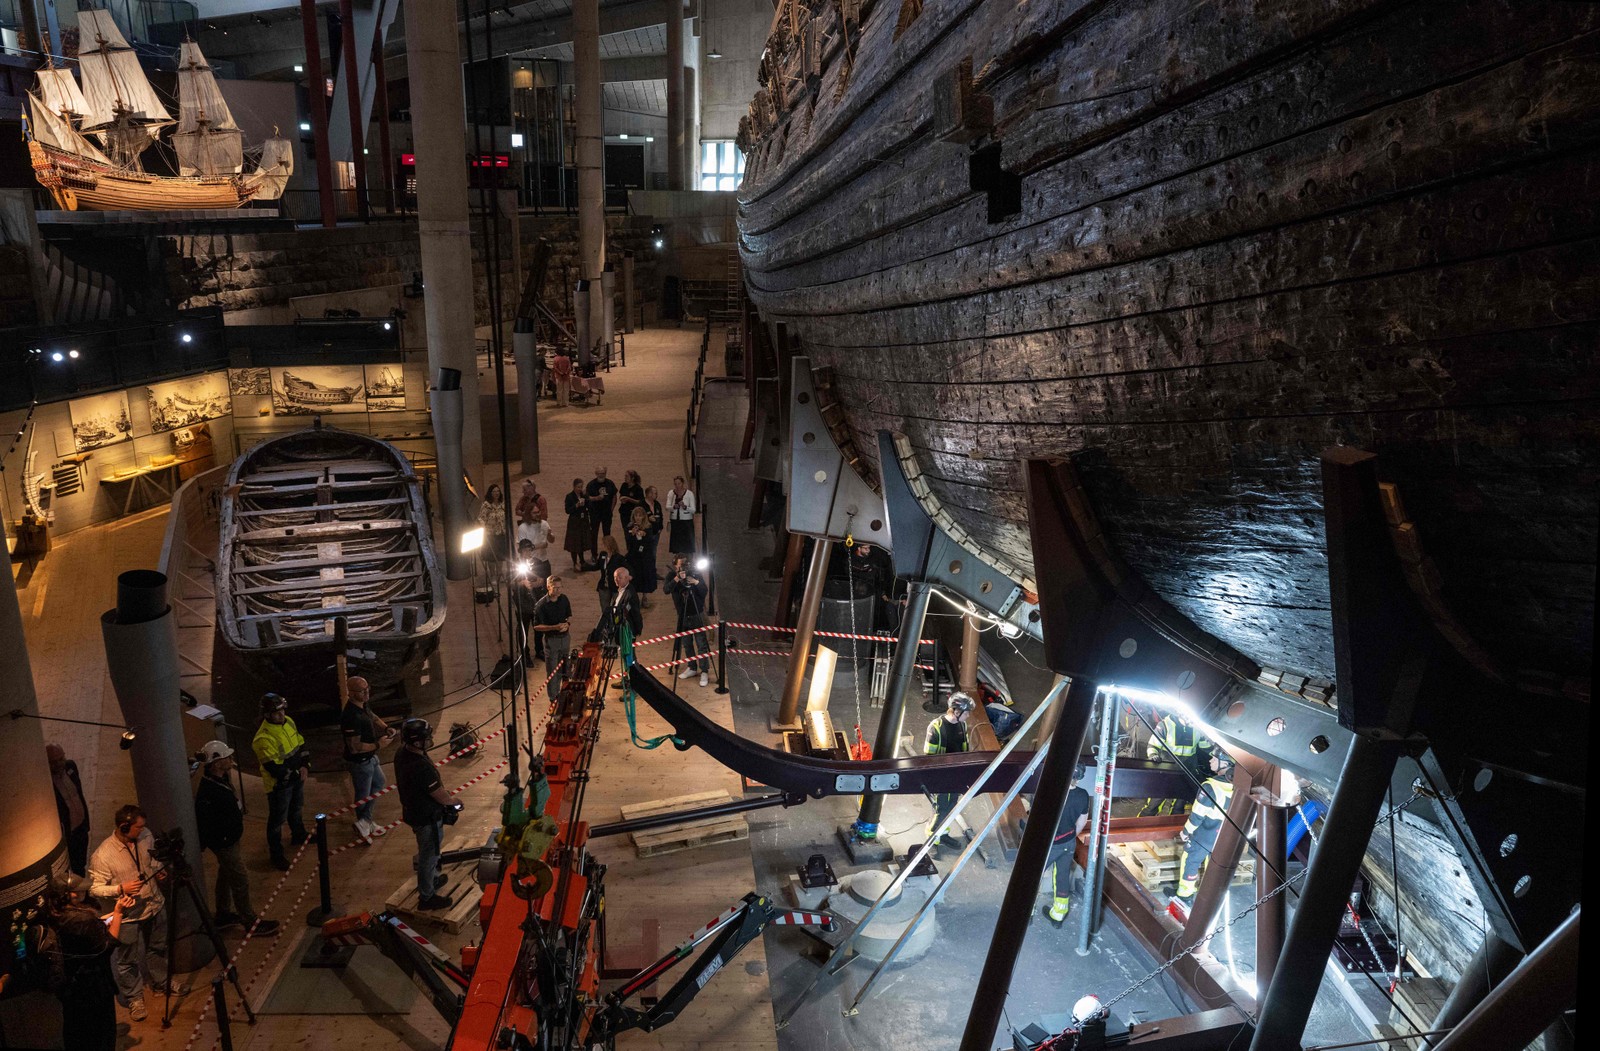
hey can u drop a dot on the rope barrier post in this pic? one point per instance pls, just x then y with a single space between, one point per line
224 1024
722 657
324 909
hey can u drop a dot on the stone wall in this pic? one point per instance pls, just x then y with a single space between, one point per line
254 276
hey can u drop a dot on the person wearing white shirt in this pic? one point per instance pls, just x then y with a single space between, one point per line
123 867
680 518
536 532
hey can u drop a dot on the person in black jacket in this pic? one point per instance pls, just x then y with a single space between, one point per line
688 593
621 609
219 819
81 972
71 806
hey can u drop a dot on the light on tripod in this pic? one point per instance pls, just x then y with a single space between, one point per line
702 563
524 568
471 540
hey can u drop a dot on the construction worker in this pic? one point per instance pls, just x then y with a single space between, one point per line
1199 833
1074 817
947 734
284 758
1175 741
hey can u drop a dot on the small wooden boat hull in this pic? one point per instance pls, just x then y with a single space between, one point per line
76 183
322 525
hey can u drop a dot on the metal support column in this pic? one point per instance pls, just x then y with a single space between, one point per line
627 294
810 603
1363 783
1099 821
1225 853
352 81
1273 912
1066 744
317 100
1489 966
901 674
590 160
967 677
1535 994
380 102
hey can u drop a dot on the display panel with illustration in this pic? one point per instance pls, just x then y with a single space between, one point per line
185 402
100 420
249 381
386 388
304 390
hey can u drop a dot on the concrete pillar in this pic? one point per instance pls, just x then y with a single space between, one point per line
627 294
438 123
352 83
530 365
448 407
608 305
317 99
591 184
29 826
675 121
141 640
691 122
581 320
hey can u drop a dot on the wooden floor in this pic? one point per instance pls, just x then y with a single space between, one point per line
652 903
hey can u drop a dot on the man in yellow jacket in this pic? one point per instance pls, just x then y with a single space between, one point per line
283 756
1205 821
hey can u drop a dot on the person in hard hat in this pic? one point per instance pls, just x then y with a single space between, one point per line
1176 741
1199 833
425 806
1063 851
284 759
219 818
948 734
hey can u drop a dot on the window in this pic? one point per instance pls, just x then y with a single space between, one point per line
721 165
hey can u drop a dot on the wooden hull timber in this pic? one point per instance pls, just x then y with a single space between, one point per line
77 183
322 524
1191 252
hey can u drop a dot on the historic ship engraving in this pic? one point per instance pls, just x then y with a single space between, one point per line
304 392
86 144
320 525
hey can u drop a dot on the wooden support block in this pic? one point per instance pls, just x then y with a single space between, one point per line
457 882
686 835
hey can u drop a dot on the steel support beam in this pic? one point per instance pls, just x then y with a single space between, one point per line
901 674
1489 966
1272 914
1535 994
317 100
1325 892
788 717
994 982
1224 859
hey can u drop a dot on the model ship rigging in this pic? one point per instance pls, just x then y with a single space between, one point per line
87 143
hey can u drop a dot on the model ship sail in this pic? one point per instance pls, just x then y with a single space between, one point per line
122 108
207 140
86 143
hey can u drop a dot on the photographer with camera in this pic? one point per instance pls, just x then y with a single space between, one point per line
124 868
284 759
220 820
688 593
425 806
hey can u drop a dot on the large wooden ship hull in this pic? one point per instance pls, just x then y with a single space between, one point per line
319 525
1190 246
79 182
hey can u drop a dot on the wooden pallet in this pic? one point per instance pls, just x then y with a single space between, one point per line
669 839
1155 862
458 882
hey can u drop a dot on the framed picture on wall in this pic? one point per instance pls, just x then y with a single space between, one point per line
386 388
249 381
191 400
304 390
99 420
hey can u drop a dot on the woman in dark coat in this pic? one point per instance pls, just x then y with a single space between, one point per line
658 522
88 991
577 538
607 561
641 554
629 495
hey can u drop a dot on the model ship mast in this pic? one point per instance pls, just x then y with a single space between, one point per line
86 143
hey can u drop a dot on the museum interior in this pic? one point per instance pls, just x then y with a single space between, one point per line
780 524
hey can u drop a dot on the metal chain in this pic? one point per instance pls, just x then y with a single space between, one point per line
1285 885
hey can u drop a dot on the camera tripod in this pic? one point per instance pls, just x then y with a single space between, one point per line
181 878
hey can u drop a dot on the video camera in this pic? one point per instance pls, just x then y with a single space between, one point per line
168 849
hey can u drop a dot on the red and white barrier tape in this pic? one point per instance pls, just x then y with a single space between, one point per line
675 635
819 634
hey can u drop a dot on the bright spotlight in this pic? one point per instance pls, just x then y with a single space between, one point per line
660 243
387 325
187 338
305 125
299 69
471 540
57 356
524 568
72 354
702 563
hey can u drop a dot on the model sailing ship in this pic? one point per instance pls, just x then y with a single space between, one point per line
86 143
319 525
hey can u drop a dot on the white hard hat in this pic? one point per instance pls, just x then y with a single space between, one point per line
214 750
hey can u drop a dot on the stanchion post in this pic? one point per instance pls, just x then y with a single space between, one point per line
722 657
219 1000
324 908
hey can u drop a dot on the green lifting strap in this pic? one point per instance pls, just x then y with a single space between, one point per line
630 702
